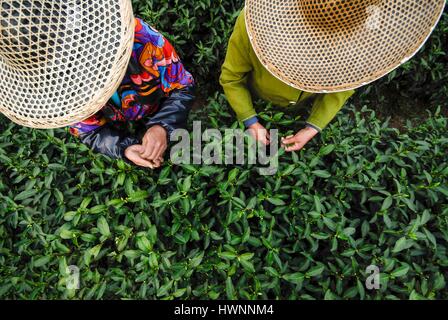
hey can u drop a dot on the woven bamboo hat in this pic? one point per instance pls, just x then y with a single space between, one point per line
337 45
61 60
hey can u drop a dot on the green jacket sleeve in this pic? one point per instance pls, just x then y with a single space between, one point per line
236 70
326 107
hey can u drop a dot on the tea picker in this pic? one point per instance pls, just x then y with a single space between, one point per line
293 52
93 66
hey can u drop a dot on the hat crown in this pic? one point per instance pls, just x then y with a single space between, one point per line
29 31
326 46
335 14
61 60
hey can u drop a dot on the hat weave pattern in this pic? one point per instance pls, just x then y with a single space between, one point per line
336 45
61 61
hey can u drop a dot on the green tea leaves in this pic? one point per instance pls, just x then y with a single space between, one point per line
400 272
276 201
315 271
322 174
103 226
296 278
402 244
138 196
42 261
326 150
25 195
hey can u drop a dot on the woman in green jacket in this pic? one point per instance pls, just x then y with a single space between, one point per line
243 76
288 51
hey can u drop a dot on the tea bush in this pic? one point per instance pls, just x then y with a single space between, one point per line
361 194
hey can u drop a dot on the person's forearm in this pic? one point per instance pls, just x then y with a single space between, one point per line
326 107
109 141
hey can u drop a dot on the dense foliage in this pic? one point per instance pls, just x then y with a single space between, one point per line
362 193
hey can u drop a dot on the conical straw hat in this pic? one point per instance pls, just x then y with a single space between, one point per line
61 60
336 45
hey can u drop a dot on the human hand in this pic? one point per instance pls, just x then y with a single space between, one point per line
259 133
297 142
133 153
155 143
